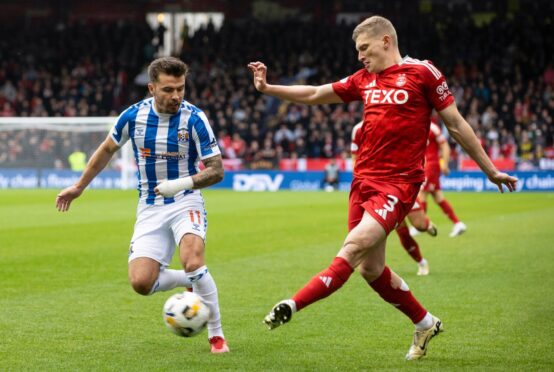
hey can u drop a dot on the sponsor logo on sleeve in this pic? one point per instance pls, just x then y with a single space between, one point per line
211 145
443 91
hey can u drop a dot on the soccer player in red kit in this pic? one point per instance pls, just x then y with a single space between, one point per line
398 95
417 217
434 165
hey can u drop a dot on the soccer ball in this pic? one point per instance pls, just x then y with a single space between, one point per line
185 314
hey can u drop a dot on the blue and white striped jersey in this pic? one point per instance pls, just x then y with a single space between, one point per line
166 146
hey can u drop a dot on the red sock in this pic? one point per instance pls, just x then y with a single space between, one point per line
324 283
409 244
424 206
403 300
447 209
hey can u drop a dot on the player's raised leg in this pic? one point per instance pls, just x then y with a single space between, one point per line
149 255
367 234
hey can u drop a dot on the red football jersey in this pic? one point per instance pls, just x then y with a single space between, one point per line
397 112
433 144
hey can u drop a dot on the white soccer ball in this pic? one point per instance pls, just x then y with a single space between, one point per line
185 314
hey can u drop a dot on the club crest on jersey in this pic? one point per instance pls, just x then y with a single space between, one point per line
183 135
401 80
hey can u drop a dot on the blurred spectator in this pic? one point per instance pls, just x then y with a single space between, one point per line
77 161
502 77
238 145
331 178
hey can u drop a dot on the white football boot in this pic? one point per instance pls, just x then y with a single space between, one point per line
458 229
421 340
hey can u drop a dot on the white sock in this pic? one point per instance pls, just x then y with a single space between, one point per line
292 305
169 279
422 262
203 285
425 323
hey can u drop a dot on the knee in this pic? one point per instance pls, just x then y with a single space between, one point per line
354 250
141 285
371 272
419 225
192 266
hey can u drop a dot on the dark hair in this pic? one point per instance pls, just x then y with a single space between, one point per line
167 65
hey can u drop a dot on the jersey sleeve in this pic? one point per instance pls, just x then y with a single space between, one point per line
347 89
436 88
120 131
204 138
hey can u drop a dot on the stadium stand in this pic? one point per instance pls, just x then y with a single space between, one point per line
499 62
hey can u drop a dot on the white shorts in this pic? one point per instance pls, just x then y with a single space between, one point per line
159 228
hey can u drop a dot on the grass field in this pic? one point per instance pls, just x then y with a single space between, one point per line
65 303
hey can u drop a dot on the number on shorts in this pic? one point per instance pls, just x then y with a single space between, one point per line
192 215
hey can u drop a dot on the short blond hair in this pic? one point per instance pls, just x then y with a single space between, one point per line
376 26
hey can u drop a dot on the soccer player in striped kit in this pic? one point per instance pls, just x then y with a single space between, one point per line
398 96
170 136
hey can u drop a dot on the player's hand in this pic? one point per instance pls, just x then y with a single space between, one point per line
169 188
500 179
259 72
66 196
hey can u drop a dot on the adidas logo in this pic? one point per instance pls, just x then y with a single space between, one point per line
326 280
371 85
382 213
388 207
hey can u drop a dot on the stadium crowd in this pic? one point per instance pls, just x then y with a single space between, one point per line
500 71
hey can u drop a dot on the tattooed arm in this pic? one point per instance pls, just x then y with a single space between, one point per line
210 175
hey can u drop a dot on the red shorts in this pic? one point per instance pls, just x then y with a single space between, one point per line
432 178
387 202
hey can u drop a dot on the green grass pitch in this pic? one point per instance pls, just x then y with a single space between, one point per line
65 303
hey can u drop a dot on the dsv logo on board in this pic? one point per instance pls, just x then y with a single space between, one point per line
256 182
386 96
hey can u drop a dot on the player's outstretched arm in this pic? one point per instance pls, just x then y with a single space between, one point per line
210 175
461 131
306 94
97 162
